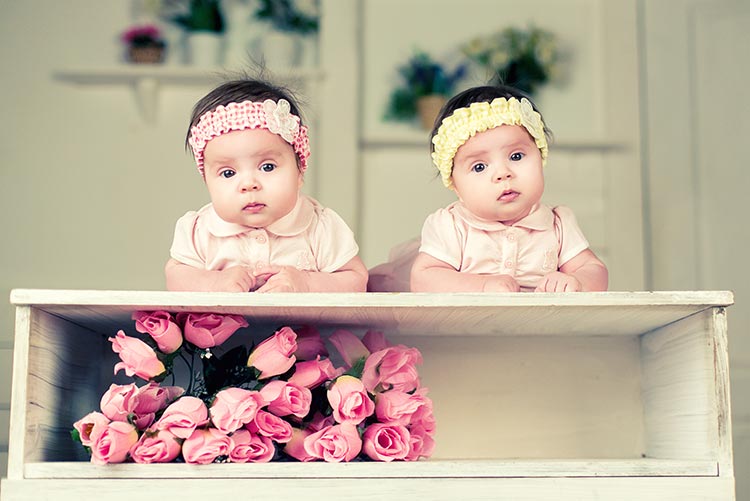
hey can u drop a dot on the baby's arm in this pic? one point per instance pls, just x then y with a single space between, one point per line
585 272
183 277
430 274
352 277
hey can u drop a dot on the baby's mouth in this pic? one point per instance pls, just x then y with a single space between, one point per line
253 207
508 196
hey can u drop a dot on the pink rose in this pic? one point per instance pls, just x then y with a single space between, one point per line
150 399
296 446
375 341
393 367
421 444
287 398
386 441
399 406
156 447
206 330
319 421
137 357
248 447
335 443
183 416
423 416
205 445
271 426
118 401
309 343
312 373
275 355
349 400
113 444
90 426
349 346
234 407
160 326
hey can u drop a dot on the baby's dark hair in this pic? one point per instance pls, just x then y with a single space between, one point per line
237 91
485 93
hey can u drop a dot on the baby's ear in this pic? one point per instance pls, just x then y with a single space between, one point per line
300 180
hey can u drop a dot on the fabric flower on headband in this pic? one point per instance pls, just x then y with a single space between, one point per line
270 115
464 123
280 120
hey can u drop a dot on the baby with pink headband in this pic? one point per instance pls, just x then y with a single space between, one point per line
259 233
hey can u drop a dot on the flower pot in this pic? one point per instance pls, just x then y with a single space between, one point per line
281 49
428 108
205 48
145 55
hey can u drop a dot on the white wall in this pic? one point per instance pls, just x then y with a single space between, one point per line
697 123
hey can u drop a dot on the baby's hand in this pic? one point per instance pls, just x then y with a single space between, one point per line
234 279
282 279
501 283
559 282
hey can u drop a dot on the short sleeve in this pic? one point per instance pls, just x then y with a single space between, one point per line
441 239
184 247
572 241
333 242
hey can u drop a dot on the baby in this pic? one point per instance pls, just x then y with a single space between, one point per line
489 145
259 233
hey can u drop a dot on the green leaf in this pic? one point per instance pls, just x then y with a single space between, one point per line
357 368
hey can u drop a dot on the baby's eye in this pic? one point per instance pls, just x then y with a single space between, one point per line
227 173
267 167
479 167
516 156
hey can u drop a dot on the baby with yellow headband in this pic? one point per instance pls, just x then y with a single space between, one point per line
259 233
490 145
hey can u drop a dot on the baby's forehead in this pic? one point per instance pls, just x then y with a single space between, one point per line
503 136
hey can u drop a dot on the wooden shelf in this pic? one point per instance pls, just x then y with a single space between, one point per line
147 79
610 395
464 468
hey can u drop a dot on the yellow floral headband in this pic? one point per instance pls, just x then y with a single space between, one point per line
456 129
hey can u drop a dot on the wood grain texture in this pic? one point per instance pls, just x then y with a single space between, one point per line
679 394
599 313
378 489
427 469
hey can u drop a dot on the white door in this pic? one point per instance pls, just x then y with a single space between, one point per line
697 122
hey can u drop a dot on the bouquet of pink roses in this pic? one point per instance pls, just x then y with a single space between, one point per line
281 400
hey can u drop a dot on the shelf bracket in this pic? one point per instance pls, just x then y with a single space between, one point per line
146 90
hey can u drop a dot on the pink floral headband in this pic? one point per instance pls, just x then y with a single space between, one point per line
275 117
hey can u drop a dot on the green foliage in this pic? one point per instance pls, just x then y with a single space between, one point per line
357 368
200 15
524 59
285 15
421 76
229 370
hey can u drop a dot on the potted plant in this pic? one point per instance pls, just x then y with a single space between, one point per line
523 58
196 15
202 22
289 15
144 44
426 85
290 24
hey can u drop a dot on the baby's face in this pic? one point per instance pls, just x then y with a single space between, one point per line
497 174
252 177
